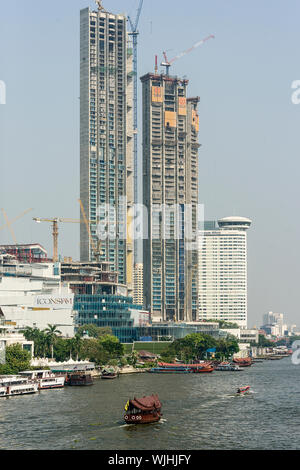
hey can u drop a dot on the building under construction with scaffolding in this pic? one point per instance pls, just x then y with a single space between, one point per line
170 193
106 138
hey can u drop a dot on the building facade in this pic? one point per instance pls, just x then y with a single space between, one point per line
273 323
106 139
170 195
223 270
138 291
32 295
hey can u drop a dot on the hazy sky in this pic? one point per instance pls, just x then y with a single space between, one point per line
249 127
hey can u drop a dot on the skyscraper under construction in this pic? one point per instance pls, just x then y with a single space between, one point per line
170 194
106 138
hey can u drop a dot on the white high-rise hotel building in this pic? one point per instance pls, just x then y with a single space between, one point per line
222 270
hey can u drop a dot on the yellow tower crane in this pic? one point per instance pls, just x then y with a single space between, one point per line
96 249
55 221
10 222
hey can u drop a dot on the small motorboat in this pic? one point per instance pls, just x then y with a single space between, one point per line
109 374
143 410
243 390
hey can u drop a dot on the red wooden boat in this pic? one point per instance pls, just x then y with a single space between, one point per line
143 410
243 361
198 368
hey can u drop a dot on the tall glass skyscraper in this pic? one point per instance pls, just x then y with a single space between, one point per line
106 138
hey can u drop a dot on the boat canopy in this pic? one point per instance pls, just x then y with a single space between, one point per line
146 403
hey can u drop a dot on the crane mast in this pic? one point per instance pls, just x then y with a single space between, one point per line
55 221
134 33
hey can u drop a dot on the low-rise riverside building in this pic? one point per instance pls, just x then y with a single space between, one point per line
9 335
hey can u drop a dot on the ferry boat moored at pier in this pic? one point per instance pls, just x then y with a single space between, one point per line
44 378
12 385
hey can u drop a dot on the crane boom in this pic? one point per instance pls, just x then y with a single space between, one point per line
54 221
199 43
15 219
167 63
8 223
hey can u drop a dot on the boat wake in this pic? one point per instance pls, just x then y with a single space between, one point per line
134 425
217 399
162 420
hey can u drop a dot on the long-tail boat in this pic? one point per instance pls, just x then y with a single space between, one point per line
163 367
243 361
243 390
143 410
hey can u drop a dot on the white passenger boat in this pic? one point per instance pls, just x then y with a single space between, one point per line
45 379
11 385
228 367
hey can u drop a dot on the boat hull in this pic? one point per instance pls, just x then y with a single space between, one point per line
141 419
204 370
181 370
168 371
79 384
50 387
58 382
13 391
243 390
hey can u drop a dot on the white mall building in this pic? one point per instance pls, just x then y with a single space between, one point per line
33 295
222 270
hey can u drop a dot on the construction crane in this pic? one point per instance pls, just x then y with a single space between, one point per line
10 222
168 63
99 3
96 249
55 221
134 33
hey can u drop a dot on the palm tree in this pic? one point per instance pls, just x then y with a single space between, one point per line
51 335
75 345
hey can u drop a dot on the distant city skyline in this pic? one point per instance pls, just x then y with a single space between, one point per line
249 162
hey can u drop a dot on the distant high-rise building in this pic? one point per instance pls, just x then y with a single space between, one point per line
275 320
106 138
138 296
170 194
223 270
270 318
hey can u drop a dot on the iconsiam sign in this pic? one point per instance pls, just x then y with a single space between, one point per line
54 301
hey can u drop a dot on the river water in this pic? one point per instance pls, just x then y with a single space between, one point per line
200 411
